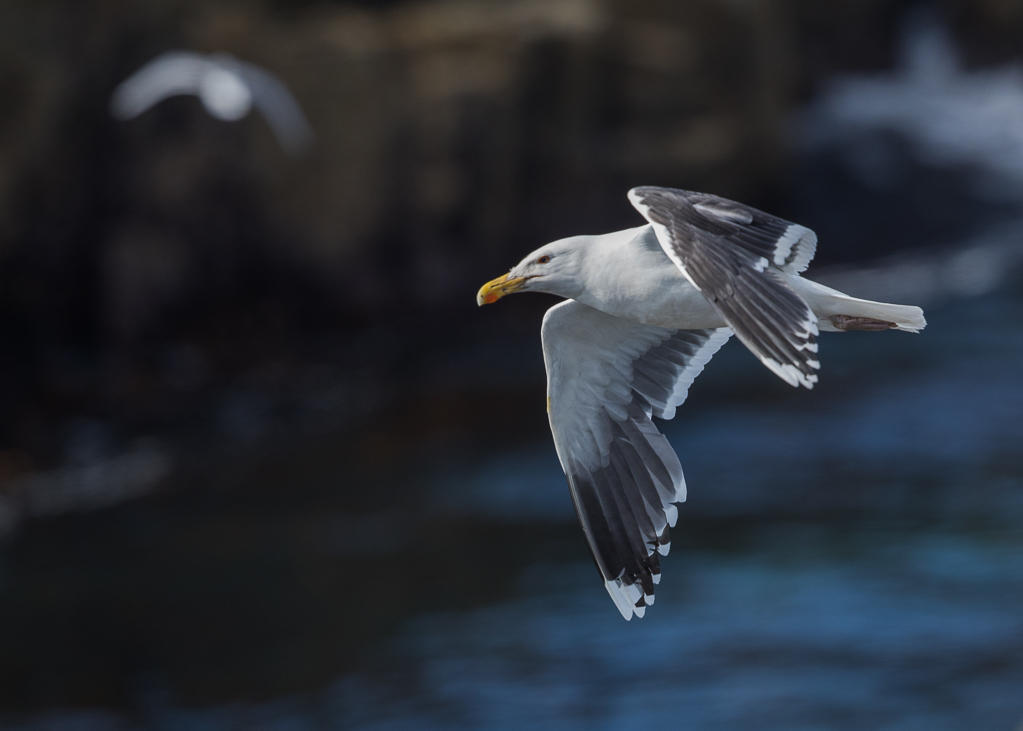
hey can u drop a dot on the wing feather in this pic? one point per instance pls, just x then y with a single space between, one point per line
169 74
734 254
606 378
276 102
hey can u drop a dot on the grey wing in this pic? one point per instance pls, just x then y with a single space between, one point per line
276 103
737 257
789 246
170 74
606 378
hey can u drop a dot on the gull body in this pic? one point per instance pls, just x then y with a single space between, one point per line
645 309
227 87
588 269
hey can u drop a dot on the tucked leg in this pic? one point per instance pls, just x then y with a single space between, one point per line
850 322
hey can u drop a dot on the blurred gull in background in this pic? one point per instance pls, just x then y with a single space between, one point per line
226 86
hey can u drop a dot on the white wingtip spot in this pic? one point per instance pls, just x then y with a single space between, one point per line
787 373
626 597
656 578
792 375
761 264
663 548
671 513
632 591
789 239
615 589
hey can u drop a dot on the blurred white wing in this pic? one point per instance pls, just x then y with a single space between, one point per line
606 378
171 74
227 87
736 255
277 104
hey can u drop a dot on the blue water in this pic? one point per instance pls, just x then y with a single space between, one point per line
852 559
848 558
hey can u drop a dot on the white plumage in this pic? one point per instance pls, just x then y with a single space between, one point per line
646 310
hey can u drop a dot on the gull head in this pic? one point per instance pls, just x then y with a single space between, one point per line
553 268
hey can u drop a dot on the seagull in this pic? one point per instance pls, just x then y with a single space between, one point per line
226 86
645 309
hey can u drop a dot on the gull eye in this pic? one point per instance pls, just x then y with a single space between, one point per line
543 259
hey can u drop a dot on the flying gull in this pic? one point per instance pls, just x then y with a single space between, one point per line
227 87
645 309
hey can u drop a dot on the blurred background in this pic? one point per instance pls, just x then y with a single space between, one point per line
264 464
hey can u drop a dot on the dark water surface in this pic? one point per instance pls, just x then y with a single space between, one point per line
848 558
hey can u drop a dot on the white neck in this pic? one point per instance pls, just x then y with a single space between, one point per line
627 274
603 261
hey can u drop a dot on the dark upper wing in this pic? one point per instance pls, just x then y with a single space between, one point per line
606 378
735 255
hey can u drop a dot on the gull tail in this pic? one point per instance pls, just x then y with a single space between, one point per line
867 315
839 312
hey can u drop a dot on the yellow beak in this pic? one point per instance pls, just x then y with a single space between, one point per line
495 289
